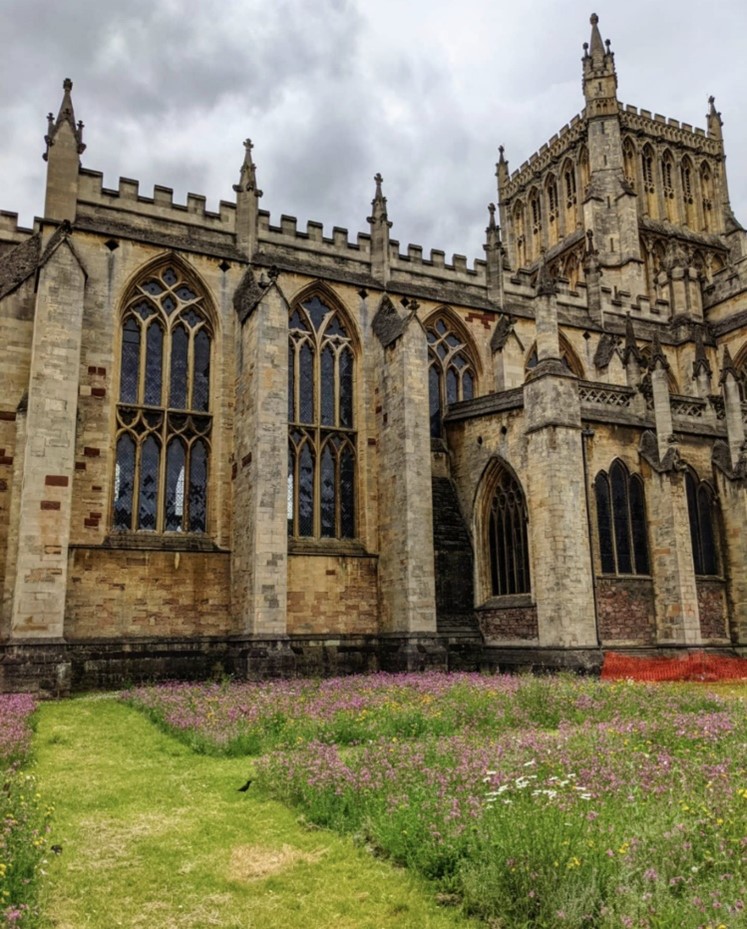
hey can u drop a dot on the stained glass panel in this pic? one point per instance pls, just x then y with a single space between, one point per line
306 492
328 493
179 349
130 373
328 387
306 386
638 525
347 494
604 522
174 486
198 474
346 388
620 518
201 383
153 364
148 496
124 482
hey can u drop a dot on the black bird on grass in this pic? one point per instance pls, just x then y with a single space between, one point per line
243 790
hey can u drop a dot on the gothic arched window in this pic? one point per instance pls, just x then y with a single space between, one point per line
163 414
535 214
551 191
520 234
688 191
629 160
570 197
667 183
706 189
451 372
321 429
649 182
701 507
621 520
507 537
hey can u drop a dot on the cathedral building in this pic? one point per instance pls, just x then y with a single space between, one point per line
232 445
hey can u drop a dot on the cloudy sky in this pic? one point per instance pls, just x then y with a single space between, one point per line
332 91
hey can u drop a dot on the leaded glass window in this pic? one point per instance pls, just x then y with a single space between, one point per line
321 427
163 415
701 506
621 521
451 371
507 538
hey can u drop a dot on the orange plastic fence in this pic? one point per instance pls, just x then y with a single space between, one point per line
694 666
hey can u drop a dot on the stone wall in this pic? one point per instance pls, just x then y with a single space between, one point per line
123 593
332 594
712 608
626 610
508 625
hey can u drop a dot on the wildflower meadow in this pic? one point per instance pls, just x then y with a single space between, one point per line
529 802
24 820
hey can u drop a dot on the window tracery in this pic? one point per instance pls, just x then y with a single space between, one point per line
621 521
164 421
451 370
507 537
322 459
688 193
706 188
667 180
701 507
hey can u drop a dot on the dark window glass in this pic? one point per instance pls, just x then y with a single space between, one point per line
130 373
179 362
604 521
621 518
700 503
434 399
507 539
452 386
306 492
201 383
347 493
153 364
346 388
328 493
328 387
306 387
149 463
124 481
320 396
174 486
691 488
638 525
198 487
151 494
467 386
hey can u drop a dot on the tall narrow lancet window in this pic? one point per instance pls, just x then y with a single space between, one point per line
583 169
667 186
706 189
629 162
688 192
701 506
621 521
321 429
649 181
164 421
535 215
451 371
520 236
570 197
551 190
507 538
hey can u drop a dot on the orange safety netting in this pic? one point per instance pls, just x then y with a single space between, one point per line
694 666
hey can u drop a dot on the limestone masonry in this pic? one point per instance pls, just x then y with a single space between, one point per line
230 445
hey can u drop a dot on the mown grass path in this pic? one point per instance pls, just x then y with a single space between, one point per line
153 835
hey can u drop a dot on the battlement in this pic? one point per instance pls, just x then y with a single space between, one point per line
161 205
671 130
549 151
9 228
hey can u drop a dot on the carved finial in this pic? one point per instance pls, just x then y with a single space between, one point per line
379 214
728 367
658 358
248 177
491 221
630 349
596 45
66 115
591 255
700 363
545 283
501 157
714 119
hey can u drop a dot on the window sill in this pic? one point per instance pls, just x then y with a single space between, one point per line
344 547
160 542
507 602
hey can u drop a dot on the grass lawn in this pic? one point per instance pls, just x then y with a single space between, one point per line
155 836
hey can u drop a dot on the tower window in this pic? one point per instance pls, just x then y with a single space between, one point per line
701 507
